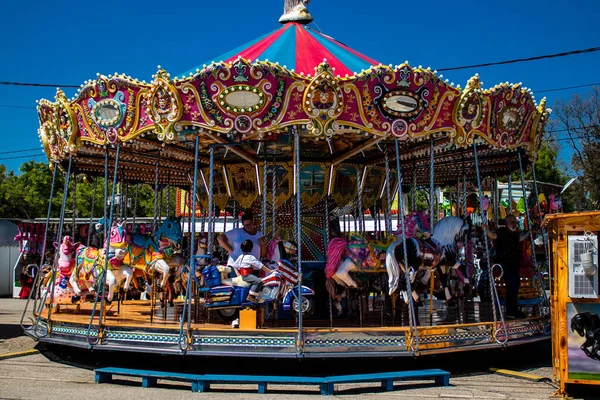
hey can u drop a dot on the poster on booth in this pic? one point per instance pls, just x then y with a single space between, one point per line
584 341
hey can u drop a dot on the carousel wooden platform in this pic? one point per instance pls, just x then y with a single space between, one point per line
128 327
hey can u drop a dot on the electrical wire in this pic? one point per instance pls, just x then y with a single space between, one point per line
519 60
20 151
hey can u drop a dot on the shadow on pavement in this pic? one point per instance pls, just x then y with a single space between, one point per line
466 363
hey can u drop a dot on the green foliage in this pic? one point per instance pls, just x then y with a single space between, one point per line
25 195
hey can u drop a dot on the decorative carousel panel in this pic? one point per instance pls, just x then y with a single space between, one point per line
512 117
471 113
344 184
279 176
243 97
221 188
55 146
372 185
313 183
111 109
405 101
243 183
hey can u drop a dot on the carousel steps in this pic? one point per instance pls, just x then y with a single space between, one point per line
201 383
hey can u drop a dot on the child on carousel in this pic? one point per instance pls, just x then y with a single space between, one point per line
246 265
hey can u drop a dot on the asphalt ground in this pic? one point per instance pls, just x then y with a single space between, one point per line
59 372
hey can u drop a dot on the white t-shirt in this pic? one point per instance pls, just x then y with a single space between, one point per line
248 261
236 237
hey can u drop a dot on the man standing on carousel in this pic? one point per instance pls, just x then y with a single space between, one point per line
231 241
508 255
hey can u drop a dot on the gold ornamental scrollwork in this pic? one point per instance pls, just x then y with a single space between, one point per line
323 101
66 122
164 106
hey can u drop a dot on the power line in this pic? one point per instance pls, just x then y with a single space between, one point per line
29 156
11 106
20 151
11 83
567 88
518 60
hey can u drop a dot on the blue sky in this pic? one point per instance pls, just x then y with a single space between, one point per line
67 42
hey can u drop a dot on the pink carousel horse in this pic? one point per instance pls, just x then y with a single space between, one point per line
63 291
90 266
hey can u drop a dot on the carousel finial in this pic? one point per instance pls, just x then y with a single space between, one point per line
295 11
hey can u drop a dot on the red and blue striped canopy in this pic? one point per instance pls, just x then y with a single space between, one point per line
300 48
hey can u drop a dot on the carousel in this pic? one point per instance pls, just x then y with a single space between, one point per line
318 141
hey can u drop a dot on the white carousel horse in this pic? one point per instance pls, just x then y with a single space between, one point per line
449 237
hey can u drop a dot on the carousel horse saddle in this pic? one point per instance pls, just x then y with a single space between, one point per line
430 252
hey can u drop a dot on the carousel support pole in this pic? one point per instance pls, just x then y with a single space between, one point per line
156 172
235 215
168 194
413 190
543 301
412 314
542 229
211 204
74 197
135 202
192 266
510 198
91 224
300 339
265 193
464 194
431 284
359 205
59 236
125 201
38 277
388 197
432 197
496 199
100 293
495 299
326 243
154 229
273 200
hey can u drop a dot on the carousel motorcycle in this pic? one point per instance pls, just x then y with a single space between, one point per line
228 295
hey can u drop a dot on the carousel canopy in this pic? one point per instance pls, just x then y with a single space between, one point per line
298 48
348 110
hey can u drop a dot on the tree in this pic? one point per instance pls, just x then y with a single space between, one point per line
577 121
25 195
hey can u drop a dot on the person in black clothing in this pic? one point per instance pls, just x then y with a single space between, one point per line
508 255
